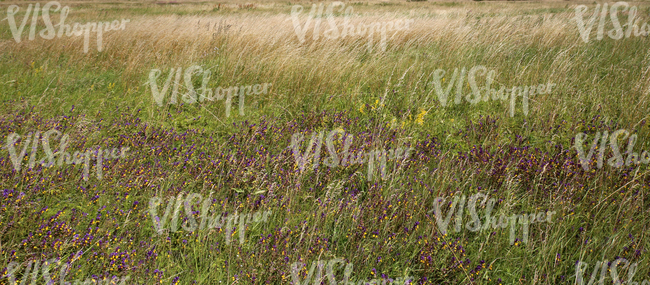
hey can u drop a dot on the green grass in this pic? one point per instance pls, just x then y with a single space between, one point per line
384 99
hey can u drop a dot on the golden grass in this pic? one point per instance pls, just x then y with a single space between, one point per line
262 46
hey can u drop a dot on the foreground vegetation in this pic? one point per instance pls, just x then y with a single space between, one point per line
385 99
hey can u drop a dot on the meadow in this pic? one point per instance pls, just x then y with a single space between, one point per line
266 193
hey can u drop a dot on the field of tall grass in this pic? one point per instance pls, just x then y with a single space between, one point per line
388 226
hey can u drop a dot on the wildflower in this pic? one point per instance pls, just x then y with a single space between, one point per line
420 118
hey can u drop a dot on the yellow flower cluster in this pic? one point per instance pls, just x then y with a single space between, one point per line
420 118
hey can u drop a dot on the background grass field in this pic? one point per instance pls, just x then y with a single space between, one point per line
383 98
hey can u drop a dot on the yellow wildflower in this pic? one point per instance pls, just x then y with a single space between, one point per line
420 118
